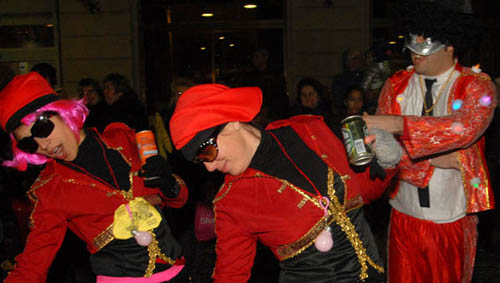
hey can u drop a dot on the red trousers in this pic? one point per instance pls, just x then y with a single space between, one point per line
424 251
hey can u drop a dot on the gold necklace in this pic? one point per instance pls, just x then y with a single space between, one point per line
441 91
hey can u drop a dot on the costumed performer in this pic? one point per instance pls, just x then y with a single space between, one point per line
441 110
289 187
92 184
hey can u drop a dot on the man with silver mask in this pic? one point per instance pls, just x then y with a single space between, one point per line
440 110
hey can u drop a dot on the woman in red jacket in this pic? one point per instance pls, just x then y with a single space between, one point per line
93 184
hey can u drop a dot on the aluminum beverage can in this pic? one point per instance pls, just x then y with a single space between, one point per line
146 145
354 131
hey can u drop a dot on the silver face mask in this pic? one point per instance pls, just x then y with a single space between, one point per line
425 48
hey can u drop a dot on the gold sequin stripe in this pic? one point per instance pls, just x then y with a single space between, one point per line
345 224
104 238
467 186
297 247
486 185
120 149
223 194
39 182
179 180
462 174
154 252
129 195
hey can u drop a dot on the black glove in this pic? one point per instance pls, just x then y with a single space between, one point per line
157 172
376 171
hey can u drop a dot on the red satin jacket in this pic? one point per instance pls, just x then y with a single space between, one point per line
425 136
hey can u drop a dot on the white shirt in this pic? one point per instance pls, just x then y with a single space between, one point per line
447 197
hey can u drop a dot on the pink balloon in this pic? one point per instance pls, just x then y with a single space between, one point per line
324 241
143 238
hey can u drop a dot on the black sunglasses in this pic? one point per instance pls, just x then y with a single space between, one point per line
42 128
208 150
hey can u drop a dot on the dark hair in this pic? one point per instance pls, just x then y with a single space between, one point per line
345 56
316 85
6 75
181 81
379 52
86 82
439 22
353 88
262 51
47 71
120 83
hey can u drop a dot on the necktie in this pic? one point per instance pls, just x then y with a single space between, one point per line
423 193
428 97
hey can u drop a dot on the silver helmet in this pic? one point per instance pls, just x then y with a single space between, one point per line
425 48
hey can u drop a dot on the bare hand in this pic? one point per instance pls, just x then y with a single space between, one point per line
390 123
446 161
370 139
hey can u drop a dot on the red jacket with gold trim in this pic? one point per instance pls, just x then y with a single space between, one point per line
424 136
254 206
64 198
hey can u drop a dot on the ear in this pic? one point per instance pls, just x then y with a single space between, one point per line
232 127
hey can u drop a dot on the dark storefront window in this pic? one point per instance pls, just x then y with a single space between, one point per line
180 42
26 36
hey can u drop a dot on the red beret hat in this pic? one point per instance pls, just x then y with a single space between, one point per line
208 105
23 95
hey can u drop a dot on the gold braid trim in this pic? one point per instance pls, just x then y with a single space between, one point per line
345 224
229 185
297 247
104 238
179 180
39 182
338 214
154 251
129 195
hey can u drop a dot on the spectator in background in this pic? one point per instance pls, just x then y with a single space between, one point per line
272 83
352 75
91 93
311 99
177 87
353 102
48 72
377 71
122 104
200 255
160 125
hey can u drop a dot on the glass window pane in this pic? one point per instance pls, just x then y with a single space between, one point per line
26 36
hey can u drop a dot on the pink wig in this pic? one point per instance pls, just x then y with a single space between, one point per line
73 113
